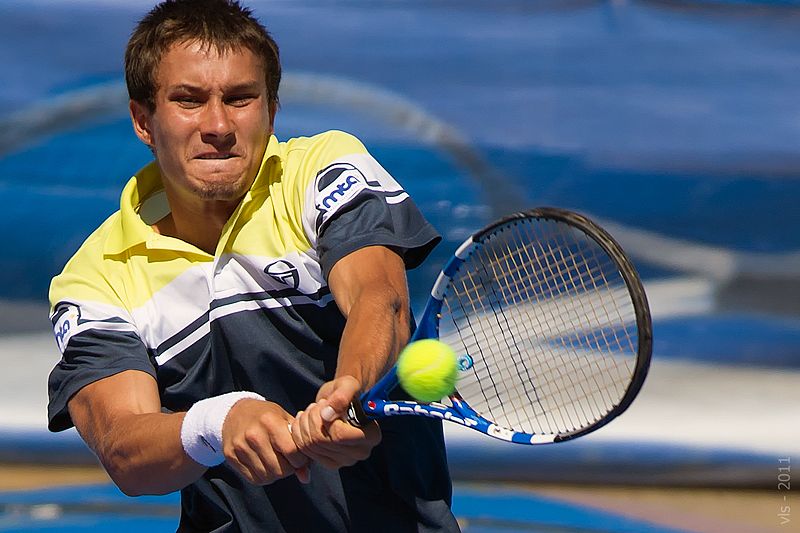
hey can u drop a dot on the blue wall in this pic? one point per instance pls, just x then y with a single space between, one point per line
677 118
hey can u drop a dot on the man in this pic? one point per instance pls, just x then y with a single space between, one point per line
215 329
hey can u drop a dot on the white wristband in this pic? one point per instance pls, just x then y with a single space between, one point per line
201 432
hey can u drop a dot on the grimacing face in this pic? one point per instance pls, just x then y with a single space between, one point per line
211 124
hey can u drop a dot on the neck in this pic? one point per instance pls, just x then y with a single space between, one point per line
200 225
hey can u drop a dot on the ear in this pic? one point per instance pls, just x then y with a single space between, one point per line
140 116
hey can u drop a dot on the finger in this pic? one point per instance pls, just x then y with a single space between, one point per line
324 391
345 391
324 437
284 443
295 431
317 428
263 459
276 466
303 472
357 445
328 413
315 445
311 442
349 445
302 427
345 434
249 464
283 468
309 451
344 446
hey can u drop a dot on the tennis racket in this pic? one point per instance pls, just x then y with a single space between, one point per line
551 326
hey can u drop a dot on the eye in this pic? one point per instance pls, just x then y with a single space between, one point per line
240 100
187 101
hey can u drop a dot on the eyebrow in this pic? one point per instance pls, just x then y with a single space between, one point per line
239 87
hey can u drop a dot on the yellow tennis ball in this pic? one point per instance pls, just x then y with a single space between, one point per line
427 369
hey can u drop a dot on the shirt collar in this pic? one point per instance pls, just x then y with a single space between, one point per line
130 230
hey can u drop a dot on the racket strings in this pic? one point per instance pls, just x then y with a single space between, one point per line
557 374
513 349
599 342
549 325
515 274
546 281
576 285
543 363
607 285
491 390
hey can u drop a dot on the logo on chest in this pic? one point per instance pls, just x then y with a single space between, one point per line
283 272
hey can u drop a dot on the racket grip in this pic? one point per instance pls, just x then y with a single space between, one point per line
356 415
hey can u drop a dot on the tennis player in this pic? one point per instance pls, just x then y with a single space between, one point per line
216 327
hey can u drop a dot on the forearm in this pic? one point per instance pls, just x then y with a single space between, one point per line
143 454
369 286
140 447
377 328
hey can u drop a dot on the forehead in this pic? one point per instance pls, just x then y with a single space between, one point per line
196 63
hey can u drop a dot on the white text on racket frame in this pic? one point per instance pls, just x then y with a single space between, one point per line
393 409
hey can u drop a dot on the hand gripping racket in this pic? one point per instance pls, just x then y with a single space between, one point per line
551 326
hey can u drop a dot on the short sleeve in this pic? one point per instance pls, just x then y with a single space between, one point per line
97 339
355 202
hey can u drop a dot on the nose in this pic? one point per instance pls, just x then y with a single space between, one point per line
217 126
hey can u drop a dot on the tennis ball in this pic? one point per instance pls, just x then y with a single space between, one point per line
427 369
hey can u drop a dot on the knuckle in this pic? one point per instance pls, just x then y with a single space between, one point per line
298 445
285 448
266 419
252 438
236 447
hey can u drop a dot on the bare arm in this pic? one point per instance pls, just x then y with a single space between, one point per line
370 288
120 419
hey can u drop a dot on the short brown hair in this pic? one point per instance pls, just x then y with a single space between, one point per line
221 24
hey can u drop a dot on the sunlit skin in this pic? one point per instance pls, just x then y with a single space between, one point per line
209 130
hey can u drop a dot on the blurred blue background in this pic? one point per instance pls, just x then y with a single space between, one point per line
675 124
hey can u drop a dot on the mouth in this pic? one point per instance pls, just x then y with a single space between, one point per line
216 156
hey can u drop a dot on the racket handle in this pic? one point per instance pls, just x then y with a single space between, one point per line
356 415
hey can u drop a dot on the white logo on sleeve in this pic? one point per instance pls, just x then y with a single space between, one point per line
344 188
66 326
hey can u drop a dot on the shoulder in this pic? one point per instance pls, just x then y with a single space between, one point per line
331 139
318 151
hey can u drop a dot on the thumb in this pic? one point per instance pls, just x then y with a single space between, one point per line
344 391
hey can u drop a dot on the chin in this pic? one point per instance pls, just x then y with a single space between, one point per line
222 191
222 188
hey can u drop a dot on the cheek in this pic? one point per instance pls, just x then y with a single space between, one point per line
256 124
172 136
